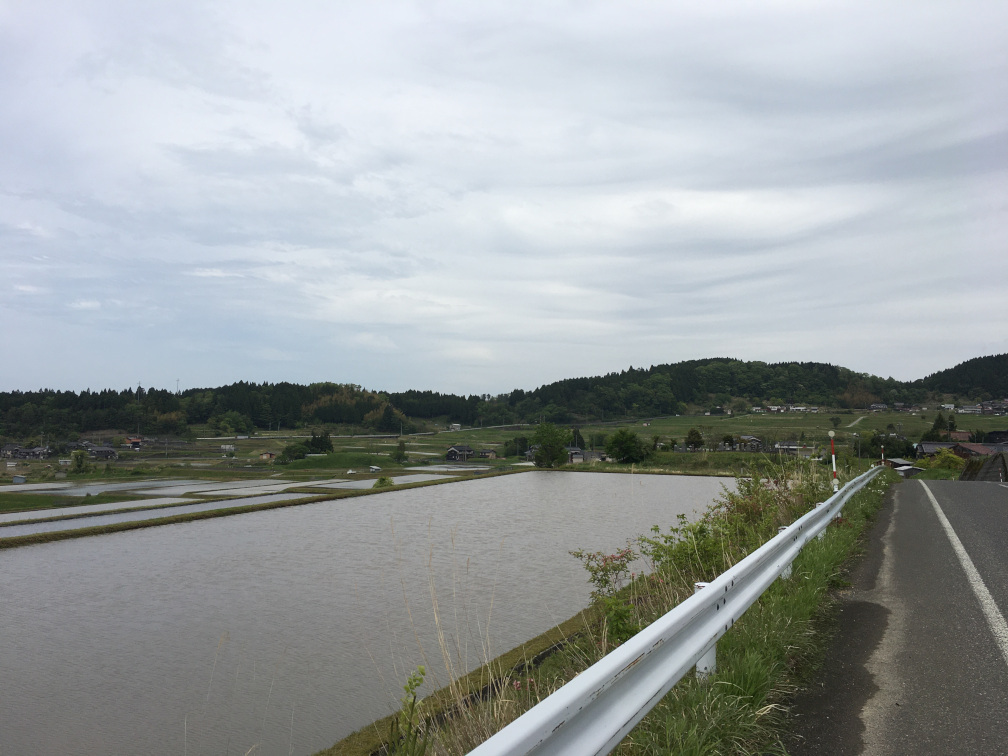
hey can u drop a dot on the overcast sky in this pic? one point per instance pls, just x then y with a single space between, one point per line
472 197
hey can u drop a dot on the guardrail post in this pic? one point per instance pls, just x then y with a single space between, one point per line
707 664
786 572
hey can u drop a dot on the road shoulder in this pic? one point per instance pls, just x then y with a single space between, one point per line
826 711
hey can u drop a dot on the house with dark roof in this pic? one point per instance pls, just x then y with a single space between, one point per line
967 451
930 448
104 452
459 453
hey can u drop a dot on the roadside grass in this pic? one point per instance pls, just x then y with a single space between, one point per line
776 646
742 708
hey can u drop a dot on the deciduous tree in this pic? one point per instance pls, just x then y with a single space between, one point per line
550 441
625 446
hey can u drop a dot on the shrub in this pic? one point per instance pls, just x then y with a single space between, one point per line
292 452
945 460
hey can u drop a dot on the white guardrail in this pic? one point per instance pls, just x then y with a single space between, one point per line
593 712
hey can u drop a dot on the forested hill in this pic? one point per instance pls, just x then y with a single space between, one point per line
697 385
710 384
713 383
982 379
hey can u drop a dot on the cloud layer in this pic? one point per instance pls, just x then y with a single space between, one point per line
477 197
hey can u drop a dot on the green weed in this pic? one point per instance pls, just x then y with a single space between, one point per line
407 736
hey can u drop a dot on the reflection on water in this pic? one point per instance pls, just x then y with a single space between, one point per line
290 628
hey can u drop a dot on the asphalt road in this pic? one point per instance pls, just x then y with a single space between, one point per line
920 661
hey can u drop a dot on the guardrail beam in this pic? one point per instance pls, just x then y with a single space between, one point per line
593 712
707 664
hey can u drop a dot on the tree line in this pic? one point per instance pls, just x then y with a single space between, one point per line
714 385
240 408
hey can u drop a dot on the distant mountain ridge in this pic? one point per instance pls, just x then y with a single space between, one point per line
707 385
717 384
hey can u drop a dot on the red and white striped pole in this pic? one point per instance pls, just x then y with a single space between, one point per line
832 450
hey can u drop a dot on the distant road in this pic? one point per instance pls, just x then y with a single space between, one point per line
857 421
920 663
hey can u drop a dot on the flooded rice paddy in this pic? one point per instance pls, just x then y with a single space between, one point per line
289 628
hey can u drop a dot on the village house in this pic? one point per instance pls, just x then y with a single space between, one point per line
930 448
13 451
459 453
967 451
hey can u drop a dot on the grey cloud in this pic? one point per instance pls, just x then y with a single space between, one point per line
474 197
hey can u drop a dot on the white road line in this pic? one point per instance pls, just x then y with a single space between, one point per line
995 620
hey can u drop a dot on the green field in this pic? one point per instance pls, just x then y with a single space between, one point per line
214 458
